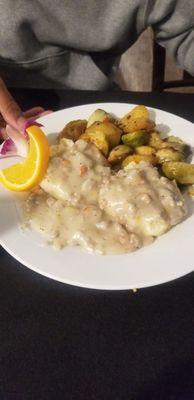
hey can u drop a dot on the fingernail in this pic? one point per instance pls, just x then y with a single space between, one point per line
21 124
45 113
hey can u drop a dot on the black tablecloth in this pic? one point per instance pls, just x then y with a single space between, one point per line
63 342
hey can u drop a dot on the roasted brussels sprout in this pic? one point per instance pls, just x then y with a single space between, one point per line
136 112
140 111
97 116
156 142
182 172
137 158
136 119
111 131
190 190
178 144
145 150
174 139
131 124
73 130
168 154
135 139
119 153
99 139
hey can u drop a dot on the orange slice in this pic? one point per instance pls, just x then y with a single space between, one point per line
28 173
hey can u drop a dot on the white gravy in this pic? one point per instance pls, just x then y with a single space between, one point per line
82 202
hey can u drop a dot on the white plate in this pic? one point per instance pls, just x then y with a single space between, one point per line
169 257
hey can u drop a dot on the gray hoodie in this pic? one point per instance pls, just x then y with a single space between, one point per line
77 44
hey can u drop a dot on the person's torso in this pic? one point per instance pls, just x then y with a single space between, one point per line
66 43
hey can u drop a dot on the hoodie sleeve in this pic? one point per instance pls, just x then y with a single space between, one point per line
173 25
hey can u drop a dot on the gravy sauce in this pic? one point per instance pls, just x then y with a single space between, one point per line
82 202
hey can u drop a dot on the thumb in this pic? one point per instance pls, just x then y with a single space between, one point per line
9 109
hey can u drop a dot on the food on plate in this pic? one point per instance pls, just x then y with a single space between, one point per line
98 116
136 138
168 154
145 150
139 111
137 119
66 209
134 124
191 190
171 142
182 172
28 173
75 172
99 139
111 185
143 201
73 130
119 153
111 132
15 144
87 226
82 202
137 158
155 141
178 145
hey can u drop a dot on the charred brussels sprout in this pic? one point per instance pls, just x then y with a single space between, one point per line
112 132
97 116
135 139
73 130
182 172
137 158
99 140
156 141
145 150
178 144
137 118
119 153
168 154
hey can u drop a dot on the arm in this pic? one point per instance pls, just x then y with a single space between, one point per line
173 24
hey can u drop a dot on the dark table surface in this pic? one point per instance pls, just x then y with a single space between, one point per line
63 342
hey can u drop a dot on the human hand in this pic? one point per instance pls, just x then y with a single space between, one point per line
11 114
